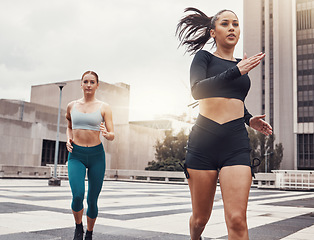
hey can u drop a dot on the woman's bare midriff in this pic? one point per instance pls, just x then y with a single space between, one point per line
86 138
221 110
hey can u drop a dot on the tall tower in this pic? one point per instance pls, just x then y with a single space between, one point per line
283 84
304 102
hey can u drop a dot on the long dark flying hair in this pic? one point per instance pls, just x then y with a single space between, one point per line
193 30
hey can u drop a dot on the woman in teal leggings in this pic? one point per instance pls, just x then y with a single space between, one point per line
87 119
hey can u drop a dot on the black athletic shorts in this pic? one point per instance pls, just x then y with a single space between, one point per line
212 146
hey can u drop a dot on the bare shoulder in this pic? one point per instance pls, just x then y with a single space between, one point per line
68 112
70 106
105 108
104 105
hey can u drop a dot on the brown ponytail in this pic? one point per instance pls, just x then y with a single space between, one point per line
193 30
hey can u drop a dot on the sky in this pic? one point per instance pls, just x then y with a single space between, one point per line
129 41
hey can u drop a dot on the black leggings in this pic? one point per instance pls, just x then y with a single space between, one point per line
212 146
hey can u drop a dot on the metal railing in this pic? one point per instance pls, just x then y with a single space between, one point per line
294 179
62 170
264 180
279 179
148 176
132 175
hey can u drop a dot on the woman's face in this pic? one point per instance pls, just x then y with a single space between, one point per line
227 30
89 84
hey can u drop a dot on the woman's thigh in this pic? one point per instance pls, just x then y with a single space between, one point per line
235 182
202 185
95 173
76 174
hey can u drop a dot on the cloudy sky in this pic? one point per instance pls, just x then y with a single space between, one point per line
130 41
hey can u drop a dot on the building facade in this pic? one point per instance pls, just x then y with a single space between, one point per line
283 84
29 129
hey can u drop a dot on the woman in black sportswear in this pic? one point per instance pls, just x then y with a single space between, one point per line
218 143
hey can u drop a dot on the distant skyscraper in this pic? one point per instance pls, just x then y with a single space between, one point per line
283 85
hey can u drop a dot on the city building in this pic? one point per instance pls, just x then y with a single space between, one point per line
283 84
29 129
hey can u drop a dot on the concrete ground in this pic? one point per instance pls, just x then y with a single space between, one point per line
32 210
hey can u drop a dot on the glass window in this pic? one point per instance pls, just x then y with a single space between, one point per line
311 95
300 65
304 49
48 152
311 50
305 112
311 111
306 79
305 66
305 150
300 96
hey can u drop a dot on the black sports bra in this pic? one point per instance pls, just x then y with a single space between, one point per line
211 76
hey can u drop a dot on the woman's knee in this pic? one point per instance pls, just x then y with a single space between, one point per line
200 221
237 221
92 210
77 202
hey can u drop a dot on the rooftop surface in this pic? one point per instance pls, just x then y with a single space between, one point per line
30 209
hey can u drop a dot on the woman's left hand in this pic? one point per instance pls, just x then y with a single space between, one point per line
257 123
105 133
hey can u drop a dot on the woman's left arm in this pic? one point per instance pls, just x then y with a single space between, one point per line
107 127
257 123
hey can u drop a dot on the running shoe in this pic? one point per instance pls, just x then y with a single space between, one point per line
79 232
89 235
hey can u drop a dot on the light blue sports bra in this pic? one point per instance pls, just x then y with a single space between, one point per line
88 121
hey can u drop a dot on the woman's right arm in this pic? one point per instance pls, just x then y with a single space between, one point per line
198 71
247 64
69 128
200 84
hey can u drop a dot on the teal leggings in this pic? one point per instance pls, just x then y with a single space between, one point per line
92 159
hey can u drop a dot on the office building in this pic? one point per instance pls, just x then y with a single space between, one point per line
283 84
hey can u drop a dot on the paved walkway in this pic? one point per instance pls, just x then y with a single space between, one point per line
31 210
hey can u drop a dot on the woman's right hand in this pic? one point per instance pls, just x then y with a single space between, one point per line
69 145
247 64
